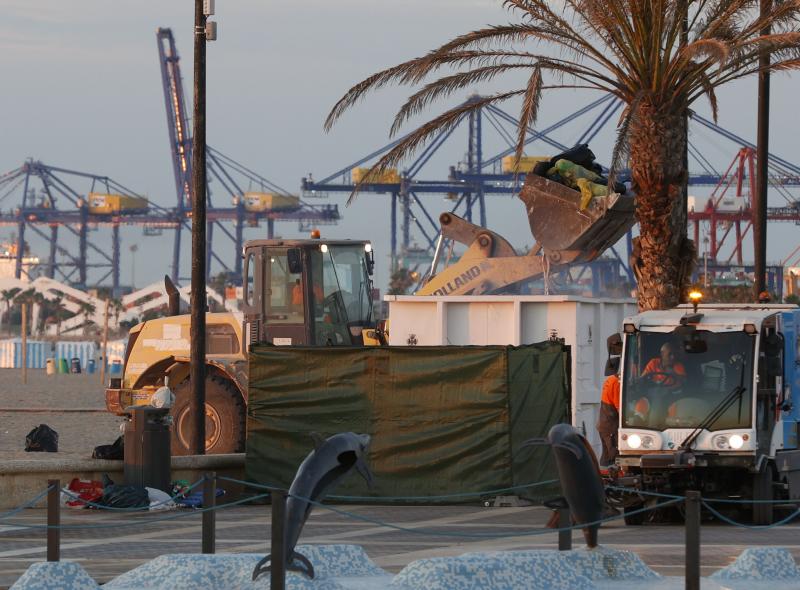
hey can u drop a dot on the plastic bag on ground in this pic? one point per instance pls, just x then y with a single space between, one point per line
159 499
86 490
42 439
114 451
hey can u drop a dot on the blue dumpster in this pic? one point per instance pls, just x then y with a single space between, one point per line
115 370
90 366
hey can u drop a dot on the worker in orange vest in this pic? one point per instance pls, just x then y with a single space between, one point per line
608 421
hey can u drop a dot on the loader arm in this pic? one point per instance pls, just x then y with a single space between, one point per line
563 231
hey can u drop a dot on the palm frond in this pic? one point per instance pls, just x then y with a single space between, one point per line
530 109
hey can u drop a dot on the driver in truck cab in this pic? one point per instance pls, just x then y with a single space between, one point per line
664 369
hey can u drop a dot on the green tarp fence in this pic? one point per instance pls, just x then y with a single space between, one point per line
443 419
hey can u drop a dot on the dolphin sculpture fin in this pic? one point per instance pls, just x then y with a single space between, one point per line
364 471
260 569
304 567
318 440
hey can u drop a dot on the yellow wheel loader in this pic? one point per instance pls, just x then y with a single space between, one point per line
296 292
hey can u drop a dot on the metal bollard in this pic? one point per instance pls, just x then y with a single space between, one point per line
209 513
53 520
564 537
277 548
692 540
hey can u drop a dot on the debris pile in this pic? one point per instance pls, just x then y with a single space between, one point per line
577 169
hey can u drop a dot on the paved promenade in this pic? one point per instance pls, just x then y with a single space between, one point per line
130 541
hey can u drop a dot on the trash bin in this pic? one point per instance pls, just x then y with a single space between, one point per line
147 451
63 366
90 365
75 365
51 366
115 370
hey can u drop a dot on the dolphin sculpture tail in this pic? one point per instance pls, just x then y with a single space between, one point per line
303 567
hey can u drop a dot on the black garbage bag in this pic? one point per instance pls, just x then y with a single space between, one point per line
42 439
116 450
119 496
580 155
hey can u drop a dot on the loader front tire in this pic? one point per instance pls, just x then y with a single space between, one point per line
225 417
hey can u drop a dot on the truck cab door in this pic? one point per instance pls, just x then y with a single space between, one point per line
770 387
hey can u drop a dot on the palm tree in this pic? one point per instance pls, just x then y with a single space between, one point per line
87 309
8 295
657 56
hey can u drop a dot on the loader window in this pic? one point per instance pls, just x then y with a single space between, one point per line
282 285
672 380
345 305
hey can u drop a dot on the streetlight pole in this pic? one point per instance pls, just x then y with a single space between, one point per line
762 170
197 365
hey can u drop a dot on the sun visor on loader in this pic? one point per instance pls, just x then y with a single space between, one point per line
558 224
443 419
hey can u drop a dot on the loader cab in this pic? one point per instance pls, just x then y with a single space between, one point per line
307 292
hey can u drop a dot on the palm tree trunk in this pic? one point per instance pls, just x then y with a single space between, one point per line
663 257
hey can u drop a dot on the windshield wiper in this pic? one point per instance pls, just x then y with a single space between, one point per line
713 416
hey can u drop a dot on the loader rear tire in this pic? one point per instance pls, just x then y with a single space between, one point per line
225 417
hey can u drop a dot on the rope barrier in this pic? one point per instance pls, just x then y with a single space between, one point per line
743 525
137 509
406 498
645 493
27 504
710 500
172 516
435 533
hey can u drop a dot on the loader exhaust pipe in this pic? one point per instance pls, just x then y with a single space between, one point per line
173 297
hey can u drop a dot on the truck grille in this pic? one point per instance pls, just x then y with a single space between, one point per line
675 436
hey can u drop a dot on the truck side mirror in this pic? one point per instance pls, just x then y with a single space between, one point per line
294 259
614 344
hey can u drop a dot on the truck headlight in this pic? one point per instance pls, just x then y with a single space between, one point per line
736 441
634 441
648 442
721 442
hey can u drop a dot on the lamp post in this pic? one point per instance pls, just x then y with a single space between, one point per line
203 31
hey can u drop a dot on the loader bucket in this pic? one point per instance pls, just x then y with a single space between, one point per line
558 224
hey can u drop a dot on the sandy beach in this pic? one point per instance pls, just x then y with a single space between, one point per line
79 431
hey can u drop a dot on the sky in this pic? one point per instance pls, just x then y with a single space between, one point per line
82 91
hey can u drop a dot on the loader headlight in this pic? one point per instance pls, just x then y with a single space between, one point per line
721 442
736 441
634 441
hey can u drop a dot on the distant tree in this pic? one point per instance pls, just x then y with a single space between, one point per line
8 295
794 298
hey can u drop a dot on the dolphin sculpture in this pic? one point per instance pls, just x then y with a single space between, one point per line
579 474
318 474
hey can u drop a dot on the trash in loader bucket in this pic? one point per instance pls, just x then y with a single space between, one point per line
558 224
572 207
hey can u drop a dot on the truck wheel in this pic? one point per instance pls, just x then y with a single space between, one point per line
763 490
634 519
225 427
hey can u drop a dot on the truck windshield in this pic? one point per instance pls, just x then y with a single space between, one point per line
673 380
343 293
